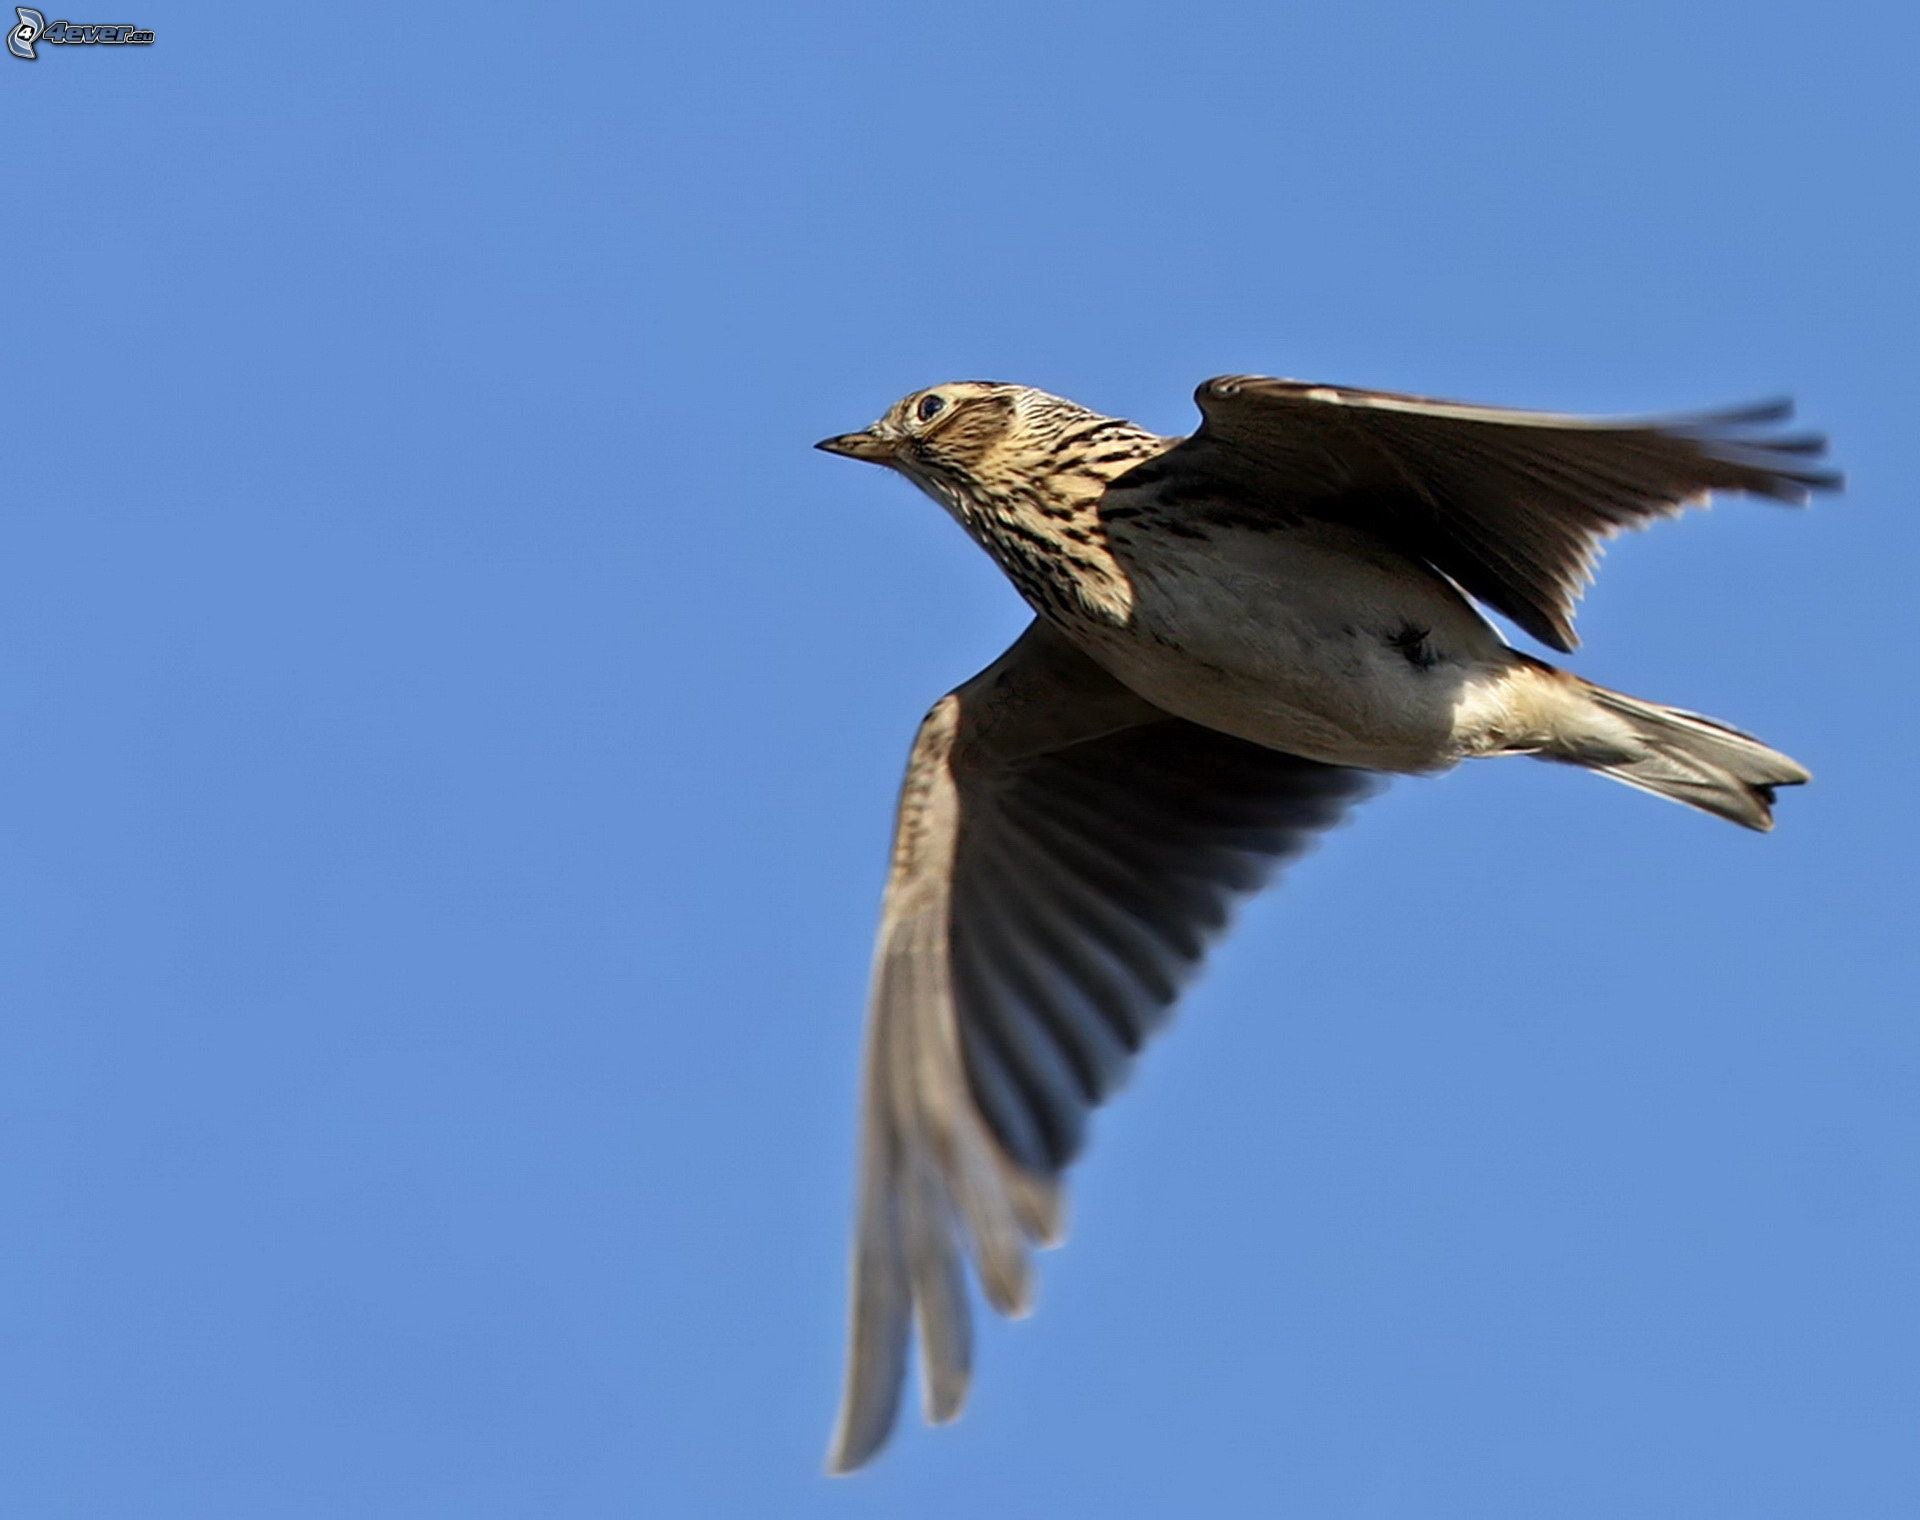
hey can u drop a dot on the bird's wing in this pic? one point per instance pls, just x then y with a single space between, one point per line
1512 505
1063 855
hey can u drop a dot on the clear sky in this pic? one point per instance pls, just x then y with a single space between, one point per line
449 722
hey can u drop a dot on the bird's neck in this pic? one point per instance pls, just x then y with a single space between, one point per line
1035 508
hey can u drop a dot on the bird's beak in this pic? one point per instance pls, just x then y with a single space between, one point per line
867 445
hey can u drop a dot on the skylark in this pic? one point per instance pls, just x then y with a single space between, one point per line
1235 633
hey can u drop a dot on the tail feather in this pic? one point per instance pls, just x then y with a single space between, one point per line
1687 758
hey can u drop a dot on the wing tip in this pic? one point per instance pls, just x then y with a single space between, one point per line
857 1439
841 1464
1763 454
944 1399
1776 408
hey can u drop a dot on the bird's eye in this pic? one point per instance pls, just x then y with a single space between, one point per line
930 407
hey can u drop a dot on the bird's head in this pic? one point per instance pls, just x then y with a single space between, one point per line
953 439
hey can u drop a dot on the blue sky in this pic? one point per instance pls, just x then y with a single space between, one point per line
449 722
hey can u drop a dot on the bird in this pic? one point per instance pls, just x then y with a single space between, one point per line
1236 636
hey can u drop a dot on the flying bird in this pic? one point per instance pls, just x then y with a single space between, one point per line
1235 635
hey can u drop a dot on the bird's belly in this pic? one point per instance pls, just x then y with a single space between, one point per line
1325 649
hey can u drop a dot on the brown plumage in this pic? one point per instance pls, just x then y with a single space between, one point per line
1235 631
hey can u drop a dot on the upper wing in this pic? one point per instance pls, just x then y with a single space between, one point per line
1064 853
1512 505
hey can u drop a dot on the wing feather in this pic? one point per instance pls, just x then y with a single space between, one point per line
1064 854
1513 505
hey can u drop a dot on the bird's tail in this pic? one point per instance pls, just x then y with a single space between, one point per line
1678 755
